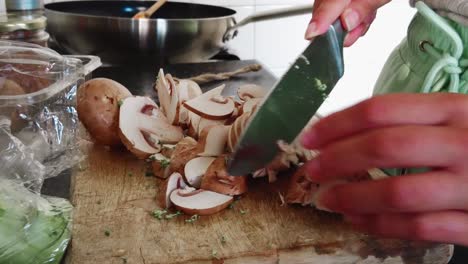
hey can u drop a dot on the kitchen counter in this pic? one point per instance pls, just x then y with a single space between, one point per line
140 79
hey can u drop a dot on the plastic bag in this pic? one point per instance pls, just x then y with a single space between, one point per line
33 229
38 140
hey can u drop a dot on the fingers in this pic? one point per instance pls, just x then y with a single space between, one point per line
358 11
394 147
354 16
359 31
432 191
389 110
446 226
324 14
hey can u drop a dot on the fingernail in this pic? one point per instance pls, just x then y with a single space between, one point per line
309 139
350 19
311 31
324 199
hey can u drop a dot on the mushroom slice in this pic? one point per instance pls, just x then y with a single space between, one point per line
142 133
203 123
250 91
251 104
188 89
167 150
163 91
174 182
160 165
194 121
195 169
174 107
213 140
218 180
212 105
301 190
184 151
236 130
200 202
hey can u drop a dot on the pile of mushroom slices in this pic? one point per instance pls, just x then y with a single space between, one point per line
187 138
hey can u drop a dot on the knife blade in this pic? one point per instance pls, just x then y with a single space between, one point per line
292 102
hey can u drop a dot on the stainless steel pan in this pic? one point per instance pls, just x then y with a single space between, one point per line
178 32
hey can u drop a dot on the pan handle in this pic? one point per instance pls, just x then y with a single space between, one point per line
268 15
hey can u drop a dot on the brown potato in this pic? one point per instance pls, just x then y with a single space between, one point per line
98 109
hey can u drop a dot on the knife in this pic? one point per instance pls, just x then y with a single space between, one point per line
291 103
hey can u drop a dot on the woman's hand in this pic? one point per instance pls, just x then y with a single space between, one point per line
397 131
356 17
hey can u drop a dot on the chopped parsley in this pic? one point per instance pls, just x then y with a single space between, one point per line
214 254
170 216
159 214
149 174
319 85
124 260
192 219
164 163
243 212
163 214
223 240
120 103
130 174
107 233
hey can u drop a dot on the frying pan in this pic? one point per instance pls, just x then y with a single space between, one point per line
176 33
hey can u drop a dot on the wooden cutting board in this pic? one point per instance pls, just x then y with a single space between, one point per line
112 223
113 199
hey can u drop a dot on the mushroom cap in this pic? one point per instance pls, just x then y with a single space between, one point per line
98 109
200 202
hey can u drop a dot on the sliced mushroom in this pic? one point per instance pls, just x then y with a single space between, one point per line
203 123
199 202
195 169
213 140
188 89
211 105
174 182
251 104
167 150
163 91
301 190
194 121
142 133
184 151
160 165
174 107
236 129
250 91
218 180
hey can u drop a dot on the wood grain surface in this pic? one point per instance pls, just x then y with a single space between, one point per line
112 223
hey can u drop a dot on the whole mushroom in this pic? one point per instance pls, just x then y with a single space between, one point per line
98 109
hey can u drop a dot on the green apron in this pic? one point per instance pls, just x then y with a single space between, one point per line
429 59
